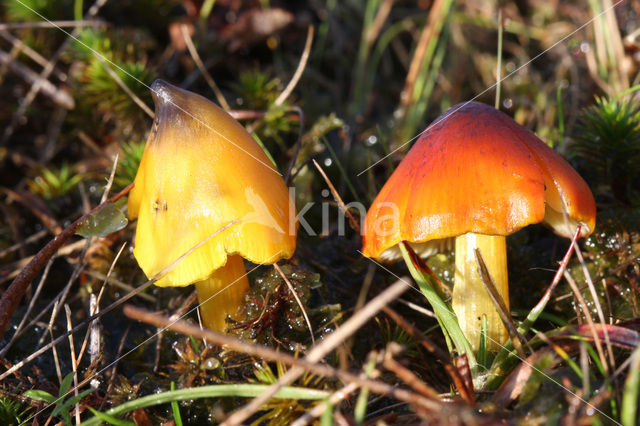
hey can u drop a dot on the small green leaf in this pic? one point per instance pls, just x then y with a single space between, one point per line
103 222
40 395
65 385
72 401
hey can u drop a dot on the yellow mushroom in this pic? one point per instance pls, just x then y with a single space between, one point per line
200 171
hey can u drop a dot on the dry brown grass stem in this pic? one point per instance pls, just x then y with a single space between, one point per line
12 296
99 298
405 374
121 285
51 24
179 313
115 304
501 308
330 343
465 392
352 220
32 302
587 314
58 96
298 301
598 305
144 107
428 31
74 362
203 70
302 64
333 399
43 76
298 364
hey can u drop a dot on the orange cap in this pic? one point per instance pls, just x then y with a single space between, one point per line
200 171
475 170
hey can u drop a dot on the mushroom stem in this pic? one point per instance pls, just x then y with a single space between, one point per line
221 294
470 299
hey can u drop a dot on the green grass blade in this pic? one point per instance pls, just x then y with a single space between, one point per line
629 411
177 418
326 419
363 399
213 391
443 311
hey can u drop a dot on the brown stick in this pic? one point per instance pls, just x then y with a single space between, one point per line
12 296
466 393
354 223
276 356
405 374
330 343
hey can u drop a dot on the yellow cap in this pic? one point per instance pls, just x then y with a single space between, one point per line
200 171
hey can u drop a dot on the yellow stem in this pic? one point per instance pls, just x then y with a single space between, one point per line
470 299
222 293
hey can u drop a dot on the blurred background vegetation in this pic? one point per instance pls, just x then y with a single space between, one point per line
75 93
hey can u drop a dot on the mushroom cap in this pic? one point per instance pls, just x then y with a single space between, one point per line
474 169
200 171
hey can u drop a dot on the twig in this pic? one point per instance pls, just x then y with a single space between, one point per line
336 196
501 308
196 58
596 301
335 398
465 392
53 349
74 364
44 75
124 87
499 64
420 309
301 66
35 56
295 295
589 318
36 207
276 356
12 296
405 374
62 296
323 348
115 364
289 176
93 331
124 286
118 302
428 31
21 244
179 313
528 322
52 24
92 145
58 96
32 302
112 175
